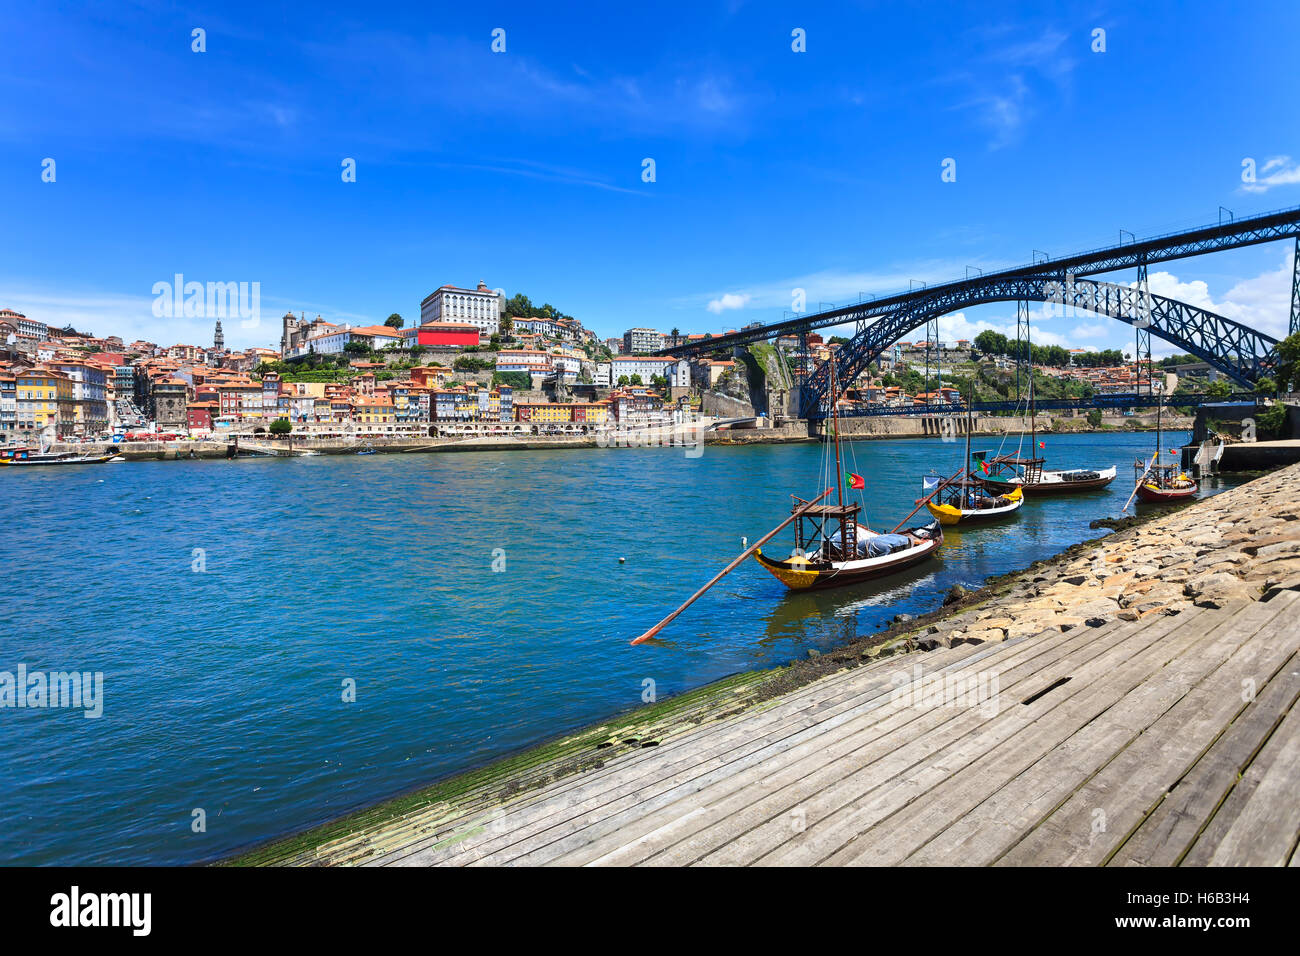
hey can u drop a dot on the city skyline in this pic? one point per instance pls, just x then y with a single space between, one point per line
774 169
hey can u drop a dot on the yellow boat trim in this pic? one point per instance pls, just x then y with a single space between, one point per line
946 514
792 578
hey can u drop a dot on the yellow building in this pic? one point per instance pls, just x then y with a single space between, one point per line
544 412
44 397
376 410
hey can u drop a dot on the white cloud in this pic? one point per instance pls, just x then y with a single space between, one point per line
957 326
131 317
826 288
730 300
1281 172
1263 303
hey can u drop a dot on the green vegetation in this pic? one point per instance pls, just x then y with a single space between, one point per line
281 426
1094 417
519 306
995 343
1272 422
991 384
517 380
394 321
466 363
1288 364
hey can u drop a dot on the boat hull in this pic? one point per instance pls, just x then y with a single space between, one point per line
800 574
1163 496
42 462
1050 487
949 515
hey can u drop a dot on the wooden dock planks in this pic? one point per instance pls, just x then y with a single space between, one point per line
1183 730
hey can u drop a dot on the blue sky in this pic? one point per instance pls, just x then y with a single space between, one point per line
774 169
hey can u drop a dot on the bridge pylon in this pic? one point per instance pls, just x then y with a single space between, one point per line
1295 289
1142 331
1023 345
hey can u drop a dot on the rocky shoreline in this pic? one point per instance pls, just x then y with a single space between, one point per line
1242 544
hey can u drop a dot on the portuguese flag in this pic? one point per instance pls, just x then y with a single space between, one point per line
855 481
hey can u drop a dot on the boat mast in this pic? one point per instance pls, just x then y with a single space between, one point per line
1160 404
1033 421
839 473
966 469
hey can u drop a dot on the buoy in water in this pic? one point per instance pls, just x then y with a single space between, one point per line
744 541
621 560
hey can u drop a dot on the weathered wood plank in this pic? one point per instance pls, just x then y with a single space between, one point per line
1258 824
1133 781
824 760
870 793
538 821
888 826
1166 834
446 831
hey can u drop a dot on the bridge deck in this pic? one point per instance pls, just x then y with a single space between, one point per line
1173 739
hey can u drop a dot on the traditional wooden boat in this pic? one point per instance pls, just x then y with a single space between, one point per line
970 504
1159 484
1033 479
832 548
1002 473
1165 484
27 458
962 499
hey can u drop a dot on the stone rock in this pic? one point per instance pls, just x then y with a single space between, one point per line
986 635
1278 549
1254 546
1214 589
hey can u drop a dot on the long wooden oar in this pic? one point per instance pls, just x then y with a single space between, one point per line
718 577
1137 486
921 504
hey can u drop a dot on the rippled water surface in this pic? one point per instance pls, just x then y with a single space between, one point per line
223 688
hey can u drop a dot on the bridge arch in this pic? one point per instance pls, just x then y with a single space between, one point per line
1236 350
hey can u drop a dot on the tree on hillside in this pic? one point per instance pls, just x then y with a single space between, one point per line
394 321
992 343
281 426
1219 388
1288 364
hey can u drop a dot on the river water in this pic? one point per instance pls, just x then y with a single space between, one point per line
477 601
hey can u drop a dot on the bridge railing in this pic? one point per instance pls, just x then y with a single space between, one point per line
1111 401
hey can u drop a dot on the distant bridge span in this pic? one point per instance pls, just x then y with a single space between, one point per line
1234 349
1240 352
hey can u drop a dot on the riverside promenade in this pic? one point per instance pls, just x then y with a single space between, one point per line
1131 702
